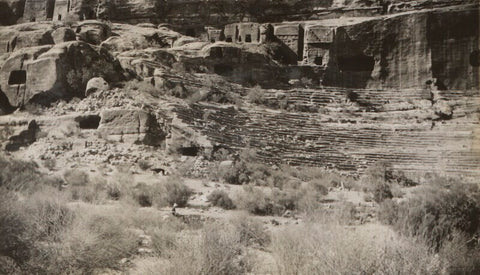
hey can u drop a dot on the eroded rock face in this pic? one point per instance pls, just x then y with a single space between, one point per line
93 32
139 37
63 34
44 74
406 51
132 126
26 35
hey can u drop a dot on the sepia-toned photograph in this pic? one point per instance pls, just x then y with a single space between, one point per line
225 137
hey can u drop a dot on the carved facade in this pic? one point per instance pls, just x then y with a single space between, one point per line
46 10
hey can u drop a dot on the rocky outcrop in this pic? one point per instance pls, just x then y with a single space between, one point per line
63 34
132 126
93 32
23 136
96 84
139 37
407 50
44 74
25 35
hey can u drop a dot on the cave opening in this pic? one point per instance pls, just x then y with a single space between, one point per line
248 38
189 151
17 77
88 122
356 63
475 58
229 39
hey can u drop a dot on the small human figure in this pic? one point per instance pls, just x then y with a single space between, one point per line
174 209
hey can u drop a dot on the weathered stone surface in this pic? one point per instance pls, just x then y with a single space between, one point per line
96 84
407 50
93 32
25 35
139 37
133 126
43 74
335 128
144 62
63 34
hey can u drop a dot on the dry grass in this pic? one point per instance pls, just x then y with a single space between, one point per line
221 199
333 249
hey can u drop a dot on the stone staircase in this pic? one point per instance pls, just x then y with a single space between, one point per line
348 132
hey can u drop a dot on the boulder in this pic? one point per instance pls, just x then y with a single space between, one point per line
45 74
93 32
131 126
96 84
23 136
139 37
63 34
26 35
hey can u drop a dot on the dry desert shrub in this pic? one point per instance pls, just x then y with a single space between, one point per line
444 215
332 249
217 250
93 192
274 201
176 191
76 177
30 228
221 199
251 231
436 211
99 239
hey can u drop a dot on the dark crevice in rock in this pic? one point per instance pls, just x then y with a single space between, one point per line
88 122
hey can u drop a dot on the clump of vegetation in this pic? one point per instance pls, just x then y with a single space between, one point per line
177 192
144 164
76 177
221 199
436 212
382 183
248 169
217 250
252 232
328 248
273 201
